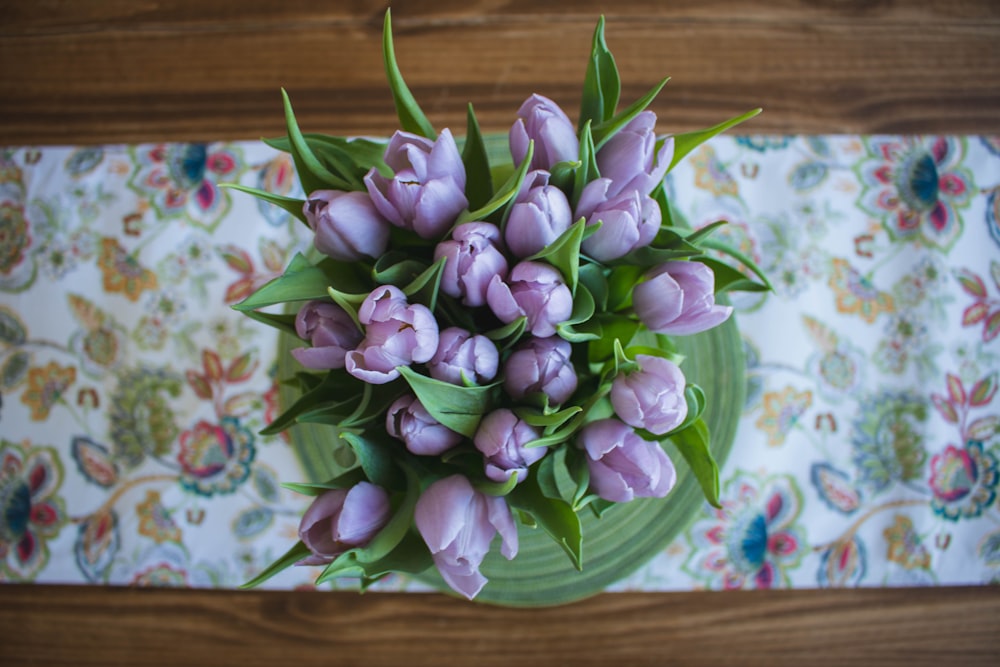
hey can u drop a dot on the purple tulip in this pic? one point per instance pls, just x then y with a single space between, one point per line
622 465
502 437
539 215
457 524
540 119
472 258
535 290
629 220
348 227
462 357
342 519
427 191
331 332
651 397
678 298
630 158
541 365
408 420
397 333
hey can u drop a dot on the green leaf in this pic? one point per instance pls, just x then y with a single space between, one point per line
693 444
614 328
546 419
728 279
604 131
397 268
506 193
291 557
360 154
458 408
508 334
601 85
564 253
411 117
348 479
596 282
588 170
301 281
424 288
621 281
740 257
687 142
497 488
555 516
377 458
290 204
312 174
333 384
280 322
575 329
478 177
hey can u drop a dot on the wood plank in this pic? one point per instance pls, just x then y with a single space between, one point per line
117 71
64 625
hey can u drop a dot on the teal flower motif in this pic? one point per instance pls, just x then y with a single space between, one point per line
916 187
216 458
888 439
963 480
764 142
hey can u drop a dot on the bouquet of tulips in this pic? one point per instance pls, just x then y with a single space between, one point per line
493 341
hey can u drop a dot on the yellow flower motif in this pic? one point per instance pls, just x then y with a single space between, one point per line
46 387
122 272
905 546
710 174
856 295
155 521
782 411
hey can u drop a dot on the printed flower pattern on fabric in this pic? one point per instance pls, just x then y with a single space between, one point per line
782 411
32 510
888 439
916 187
754 540
182 180
963 481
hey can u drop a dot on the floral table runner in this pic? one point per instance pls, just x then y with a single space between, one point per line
132 394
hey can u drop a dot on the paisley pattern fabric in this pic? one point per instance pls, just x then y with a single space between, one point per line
133 397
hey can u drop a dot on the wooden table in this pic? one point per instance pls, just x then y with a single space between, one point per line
96 71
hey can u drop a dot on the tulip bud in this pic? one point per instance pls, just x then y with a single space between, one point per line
471 260
678 298
331 332
461 356
630 159
628 220
535 290
622 465
408 420
502 437
541 365
539 215
342 519
347 225
458 523
651 397
427 190
397 333
541 120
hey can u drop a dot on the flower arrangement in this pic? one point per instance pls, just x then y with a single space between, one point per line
495 342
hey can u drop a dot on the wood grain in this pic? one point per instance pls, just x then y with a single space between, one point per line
118 70
62 625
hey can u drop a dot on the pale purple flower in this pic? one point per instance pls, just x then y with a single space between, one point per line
458 524
539 215
330 331
630 159
678 298
342 519
461 354
541 365
427 190
622 465
472 259
501 437
347 225
629 220
397 333
541 120
651 397
408 420
534 290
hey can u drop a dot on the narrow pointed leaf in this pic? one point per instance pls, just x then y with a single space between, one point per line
693 444
290 204
478 177
312 174
458 408
505 194
687 142
291 557
601 85
411 117
603 131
